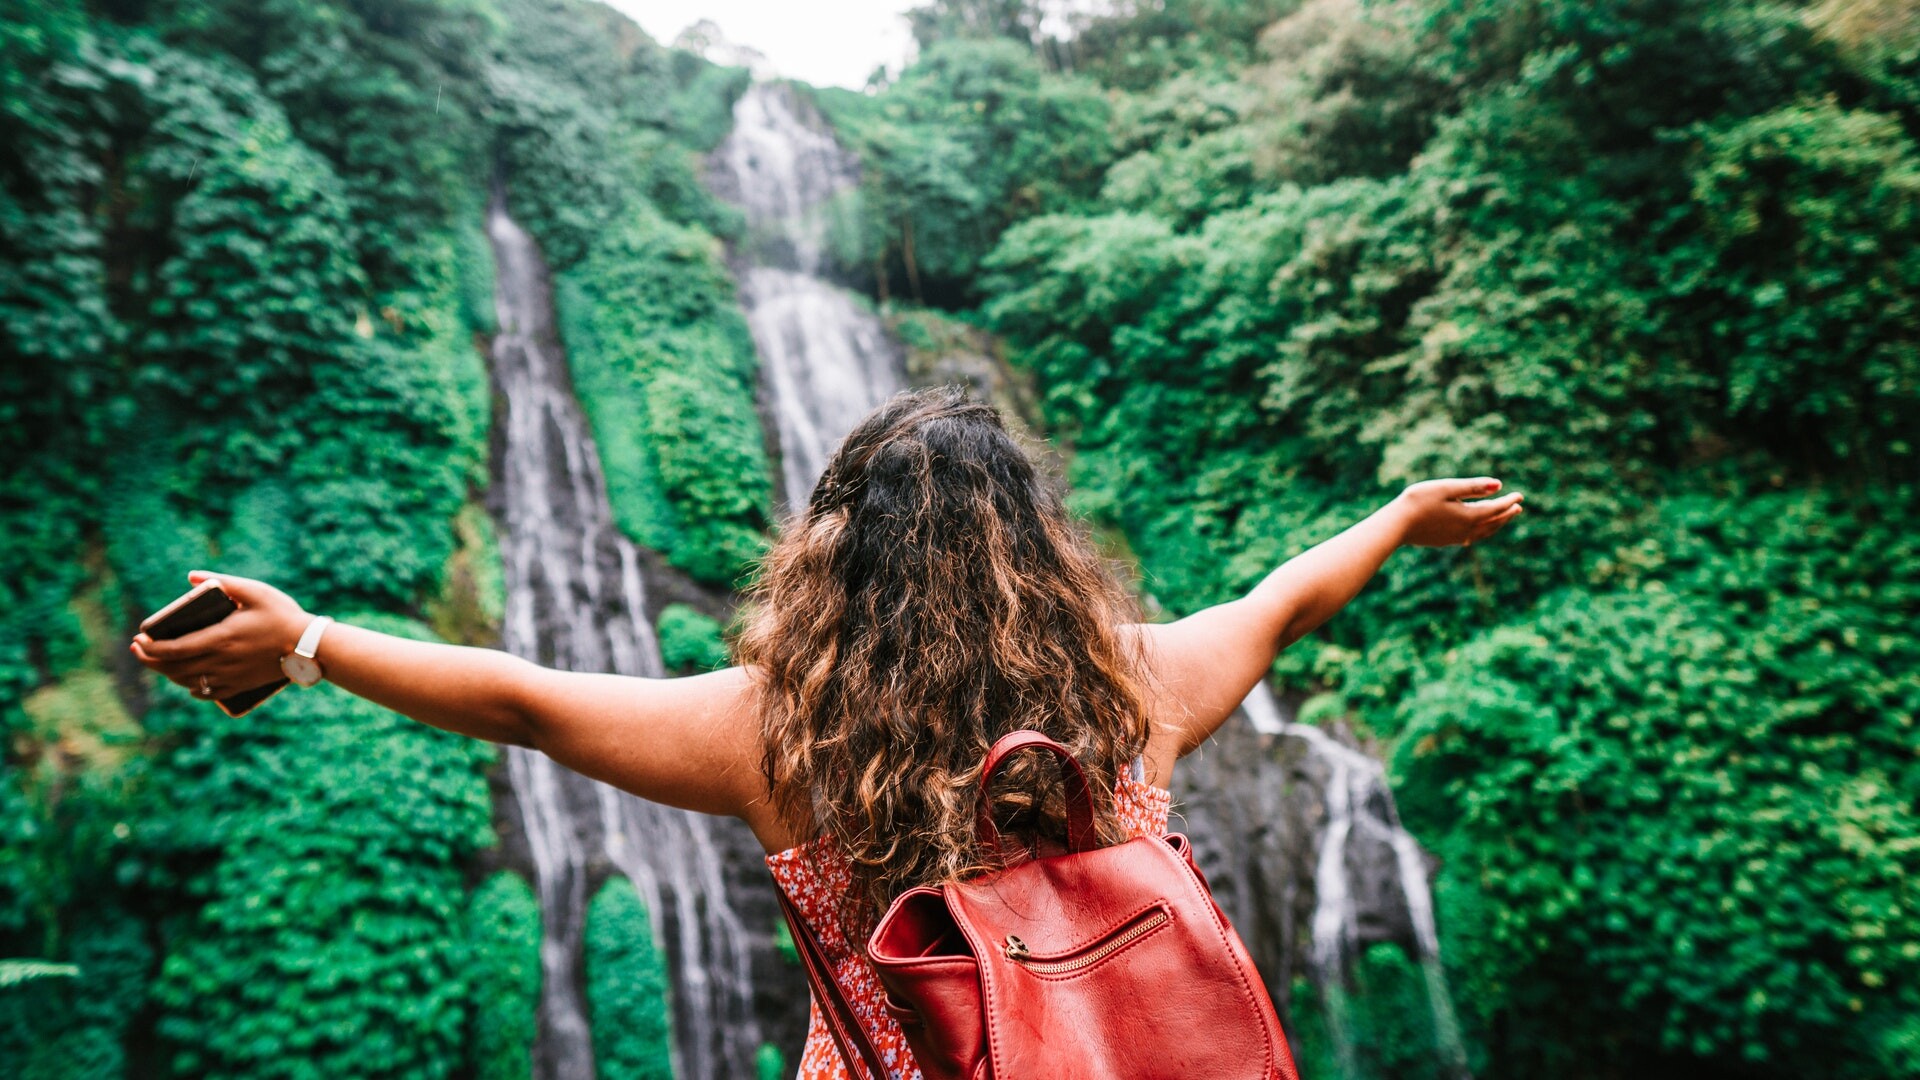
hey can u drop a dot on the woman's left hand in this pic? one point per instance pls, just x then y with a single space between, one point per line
1436 513
236 654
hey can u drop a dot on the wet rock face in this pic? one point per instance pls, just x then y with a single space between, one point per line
1252 816
1255 806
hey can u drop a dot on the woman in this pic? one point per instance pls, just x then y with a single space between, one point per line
932 597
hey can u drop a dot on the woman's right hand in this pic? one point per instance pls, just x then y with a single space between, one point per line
238 653
1436 513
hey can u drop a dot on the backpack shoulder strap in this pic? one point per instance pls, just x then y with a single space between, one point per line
842 1024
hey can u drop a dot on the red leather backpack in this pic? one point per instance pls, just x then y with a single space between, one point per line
1106 963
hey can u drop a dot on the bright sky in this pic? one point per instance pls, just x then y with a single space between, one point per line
824 42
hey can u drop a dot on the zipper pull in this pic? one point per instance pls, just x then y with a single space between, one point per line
1017 949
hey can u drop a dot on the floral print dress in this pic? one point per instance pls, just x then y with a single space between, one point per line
815 876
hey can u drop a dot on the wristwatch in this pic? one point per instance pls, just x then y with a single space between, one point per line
300 665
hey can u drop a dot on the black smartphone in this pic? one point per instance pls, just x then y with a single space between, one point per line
198 608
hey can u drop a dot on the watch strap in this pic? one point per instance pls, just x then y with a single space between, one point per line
310 641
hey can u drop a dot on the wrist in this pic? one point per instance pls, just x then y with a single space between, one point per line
302 664
1399 515
287 637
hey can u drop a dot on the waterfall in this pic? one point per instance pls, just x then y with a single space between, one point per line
825 357
576 600
1357 796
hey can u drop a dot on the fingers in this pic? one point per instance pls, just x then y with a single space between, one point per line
201 683
245 591
1496 523
1468 488
217 679
186 672
200 643
1490 508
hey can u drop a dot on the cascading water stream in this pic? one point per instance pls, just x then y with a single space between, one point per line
576 600
1357 796
826 358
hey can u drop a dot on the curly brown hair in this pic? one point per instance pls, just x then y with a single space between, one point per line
933 596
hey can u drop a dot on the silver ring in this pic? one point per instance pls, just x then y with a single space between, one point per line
205 690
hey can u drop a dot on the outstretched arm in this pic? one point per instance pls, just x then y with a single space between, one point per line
686 742
1202 666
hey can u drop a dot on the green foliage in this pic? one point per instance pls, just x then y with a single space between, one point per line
1015 20
1388 1018
560 149
243 265
74 765
1346 91
626 988
390 94
67 1021
664 366
243 276
1138 44
601 150
1700 784
588 113
1185 153
473 596
690 640
769 1063
337 834
503 924
970 138
699 113
1799 253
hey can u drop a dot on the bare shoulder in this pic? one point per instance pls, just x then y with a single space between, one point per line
743 703
1167 719
1193 674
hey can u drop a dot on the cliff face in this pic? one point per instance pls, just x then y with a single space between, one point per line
1255 806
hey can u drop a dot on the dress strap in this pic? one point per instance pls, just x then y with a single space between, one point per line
848 1036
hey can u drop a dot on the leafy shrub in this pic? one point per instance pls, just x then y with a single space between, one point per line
503 921
338 834
970 138
691 641
1699 783
626 988
243 274
68 1023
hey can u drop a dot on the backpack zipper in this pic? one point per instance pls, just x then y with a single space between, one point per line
1018 952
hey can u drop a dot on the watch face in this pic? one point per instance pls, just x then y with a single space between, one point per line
301 669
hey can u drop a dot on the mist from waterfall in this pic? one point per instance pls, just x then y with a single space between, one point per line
577 600
825 357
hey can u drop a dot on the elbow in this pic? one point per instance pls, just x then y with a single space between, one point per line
517 722
1300 622
1289 634
516 736
1289 627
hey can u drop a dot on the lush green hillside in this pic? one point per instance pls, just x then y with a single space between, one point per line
243 301
1658 265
